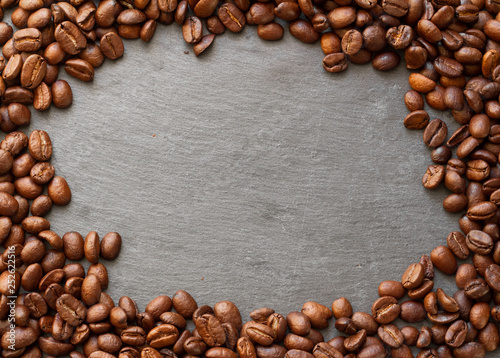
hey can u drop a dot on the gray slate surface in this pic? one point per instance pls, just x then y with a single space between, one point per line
249 174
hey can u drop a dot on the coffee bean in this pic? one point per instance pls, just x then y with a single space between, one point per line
162 336
264 335
184 304
62 96
41 205
29 40
33 71
492 276
335 62
92 247
391 335
192 30
110 246
70 38
412 311
232 18
477 170
387 61
435 133
455 203
481 211
298 323
210 330
157 306
345 325
73 246
35 224
444 260
271 31
457 244
365 322
112 46
42 98
324 350
416 120
479 315
386 309
446 301
399 37
489 337
449 67
59 191
304 31
413 276
52 347
40 145
413 100
354 342
70 309
479 242
91 290
79 69
317 313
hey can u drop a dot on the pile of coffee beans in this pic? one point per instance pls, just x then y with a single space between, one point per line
50 306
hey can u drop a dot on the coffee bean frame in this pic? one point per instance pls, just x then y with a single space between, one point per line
248 174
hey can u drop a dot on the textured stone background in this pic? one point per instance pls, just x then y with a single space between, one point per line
249 174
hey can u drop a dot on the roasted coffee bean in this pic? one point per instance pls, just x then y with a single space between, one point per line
341 307
386 309
62 96
162 336
29 40
433 176
42 172
365 321
413 100
184 304
477 170
262 334
492 276
335 62
79 69
210 329
413 276
298 323
345 325
71 310
232 18
73 246
386 61
91 290
325 350
391 335
42 97
481 211
303 31
70 38
318 314
40 145
354 342
59 191
352 41
33 71
110 246
479 242
457 244
412 311
399 37
444 260
435 133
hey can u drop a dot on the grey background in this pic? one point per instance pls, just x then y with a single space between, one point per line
249 174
